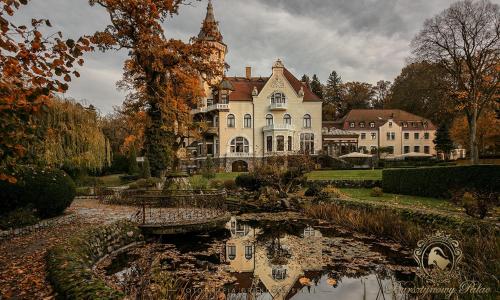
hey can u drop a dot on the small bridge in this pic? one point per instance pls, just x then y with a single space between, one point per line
181 211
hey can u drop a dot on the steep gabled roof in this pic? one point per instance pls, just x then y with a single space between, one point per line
243 87
381 116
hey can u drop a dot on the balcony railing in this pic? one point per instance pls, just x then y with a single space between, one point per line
279 127
218 106
277 106
239 154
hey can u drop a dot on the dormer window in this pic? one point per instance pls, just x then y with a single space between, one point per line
390 124
405 124
352 125
278 97
362 124
372 124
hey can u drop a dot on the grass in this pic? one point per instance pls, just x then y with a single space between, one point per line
345 175
406 200
224 176
112 180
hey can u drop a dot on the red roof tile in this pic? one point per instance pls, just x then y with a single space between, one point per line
380 117
243 87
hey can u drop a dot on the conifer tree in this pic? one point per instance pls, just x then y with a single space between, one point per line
443 141
316 86
306 80
133 168
332 101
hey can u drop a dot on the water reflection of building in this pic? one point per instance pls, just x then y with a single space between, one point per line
275 263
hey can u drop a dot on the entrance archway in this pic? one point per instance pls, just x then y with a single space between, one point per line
239 166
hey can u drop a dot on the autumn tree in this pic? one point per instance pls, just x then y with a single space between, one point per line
333 96
163 75
316 86
465 40
423 89
32 68
357 95
381 92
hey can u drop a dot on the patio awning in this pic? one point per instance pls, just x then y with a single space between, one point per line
356 155
416 154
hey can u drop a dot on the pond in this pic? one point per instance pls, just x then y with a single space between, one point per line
263 257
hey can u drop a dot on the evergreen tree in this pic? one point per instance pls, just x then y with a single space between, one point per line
208 170
133 167
306 80
332 101
316 86
443 141
146 170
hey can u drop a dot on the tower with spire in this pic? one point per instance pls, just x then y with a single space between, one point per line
210 34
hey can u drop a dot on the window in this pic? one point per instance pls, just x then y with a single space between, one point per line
390 124
230 121
307 121
280 143
247 121
407 135
240 145
307 143
231 252
224 99
416 149
363 136
391 149
248 251
278 273
426 135
290 143
374 136
407 149
405 124
362 124
416 135
216 121
352 124
391 136
269 144
269 120
425 124
309 231
372 124
287 119
426 149
278 98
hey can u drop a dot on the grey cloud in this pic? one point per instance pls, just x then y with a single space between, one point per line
363 40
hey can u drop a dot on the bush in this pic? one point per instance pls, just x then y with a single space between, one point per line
146 183
477 204
248 181
208 170
440 181
313 190
198 183
19 217
146 169
376 192
49 191
229 184
216 184
333 192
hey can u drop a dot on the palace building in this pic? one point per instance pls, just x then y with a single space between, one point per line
252 117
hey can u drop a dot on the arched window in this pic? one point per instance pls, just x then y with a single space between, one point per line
307 143
307 121
269 120
287 119
231 121
247 121
278 97
240 145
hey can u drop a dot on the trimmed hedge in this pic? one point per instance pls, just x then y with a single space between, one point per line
441 182
50 191
69 265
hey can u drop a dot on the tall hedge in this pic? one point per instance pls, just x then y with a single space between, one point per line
440 182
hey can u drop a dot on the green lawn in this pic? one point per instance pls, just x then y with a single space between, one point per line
413 201
345 174
112 180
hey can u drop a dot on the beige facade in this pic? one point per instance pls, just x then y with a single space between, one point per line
250 118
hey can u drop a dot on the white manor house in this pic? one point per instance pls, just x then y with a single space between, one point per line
249 118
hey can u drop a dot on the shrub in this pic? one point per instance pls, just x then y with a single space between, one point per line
478 204
146 183
146 169
133 186
208 170
248 181
198 183
19 217
133 167
229 184
49 191
334 192
376 192
216 184
313 190
440 181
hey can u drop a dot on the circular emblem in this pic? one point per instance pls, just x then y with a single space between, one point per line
438 257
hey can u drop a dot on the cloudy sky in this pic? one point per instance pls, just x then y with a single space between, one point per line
363 40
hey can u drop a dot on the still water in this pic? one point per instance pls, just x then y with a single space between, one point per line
259 258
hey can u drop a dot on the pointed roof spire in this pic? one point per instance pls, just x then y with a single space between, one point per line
209 28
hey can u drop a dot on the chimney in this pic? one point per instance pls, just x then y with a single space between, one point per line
248 72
